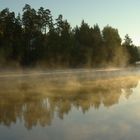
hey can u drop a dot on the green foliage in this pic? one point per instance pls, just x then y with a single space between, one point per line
34 38
131 49
111 41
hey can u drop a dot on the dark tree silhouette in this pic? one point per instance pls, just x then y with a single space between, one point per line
34 38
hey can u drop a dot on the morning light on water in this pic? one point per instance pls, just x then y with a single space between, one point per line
75 107
69 70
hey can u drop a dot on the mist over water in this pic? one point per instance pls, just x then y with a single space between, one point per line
64 82
72 104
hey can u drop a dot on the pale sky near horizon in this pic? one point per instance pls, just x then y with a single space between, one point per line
120 14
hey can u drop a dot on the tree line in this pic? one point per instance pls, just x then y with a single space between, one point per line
36 39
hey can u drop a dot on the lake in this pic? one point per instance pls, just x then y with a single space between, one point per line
99 105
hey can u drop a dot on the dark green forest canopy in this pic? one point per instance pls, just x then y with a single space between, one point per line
36 39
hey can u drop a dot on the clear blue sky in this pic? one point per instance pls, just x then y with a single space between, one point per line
121 14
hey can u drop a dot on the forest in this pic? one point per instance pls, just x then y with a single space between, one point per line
34 38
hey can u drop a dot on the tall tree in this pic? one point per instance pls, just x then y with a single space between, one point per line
131 49
96 48
11 32
83 42
111 42
45 19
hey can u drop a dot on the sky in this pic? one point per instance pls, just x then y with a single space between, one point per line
120 14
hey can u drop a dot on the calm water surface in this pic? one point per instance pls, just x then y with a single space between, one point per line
37 108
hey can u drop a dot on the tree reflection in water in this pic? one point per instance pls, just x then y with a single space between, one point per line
36 101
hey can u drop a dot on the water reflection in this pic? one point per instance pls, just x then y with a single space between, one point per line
38 101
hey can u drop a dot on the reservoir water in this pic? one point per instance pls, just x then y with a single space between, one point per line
42 107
